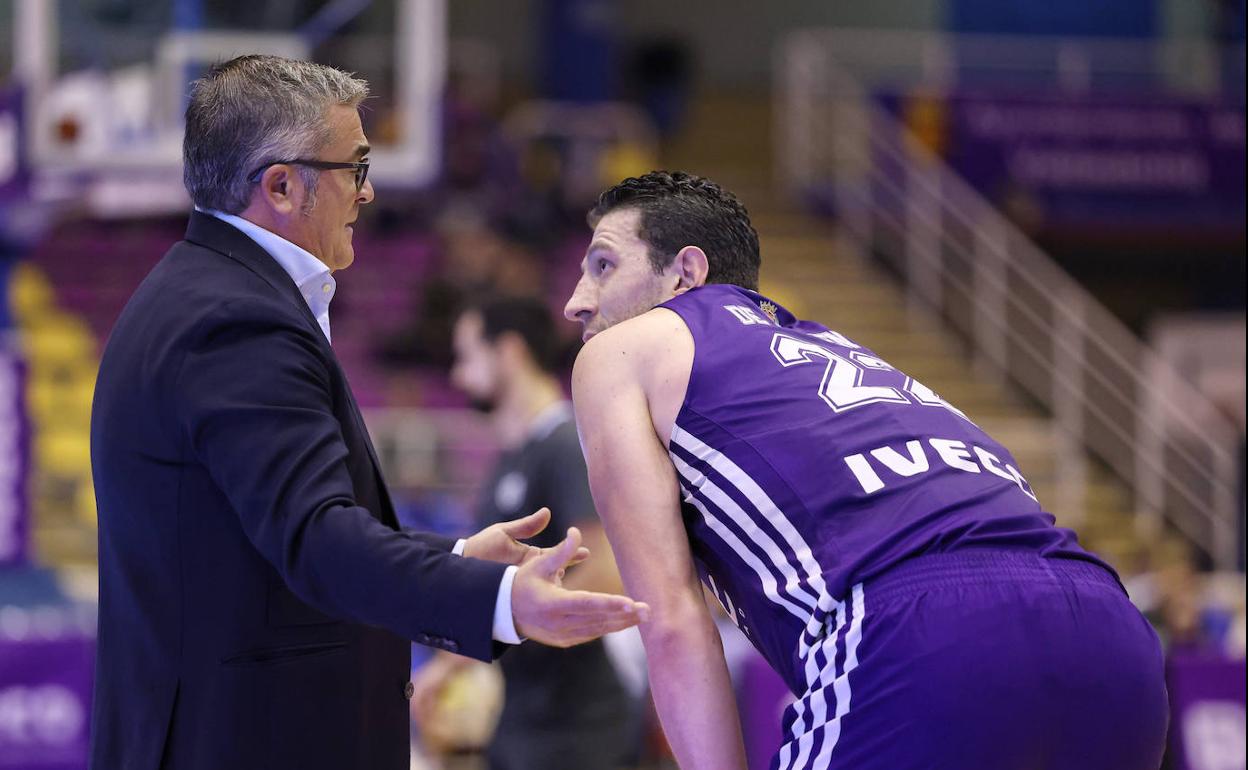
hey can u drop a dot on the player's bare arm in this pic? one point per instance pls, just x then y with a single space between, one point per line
599 574
627 387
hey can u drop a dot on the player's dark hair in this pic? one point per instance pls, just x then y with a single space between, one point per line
526 317
678 210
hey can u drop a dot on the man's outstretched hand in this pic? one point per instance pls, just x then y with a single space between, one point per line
542 609
545 611
501 542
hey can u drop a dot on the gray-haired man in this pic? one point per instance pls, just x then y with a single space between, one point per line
256 594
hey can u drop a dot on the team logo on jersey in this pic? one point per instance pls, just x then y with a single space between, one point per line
769 309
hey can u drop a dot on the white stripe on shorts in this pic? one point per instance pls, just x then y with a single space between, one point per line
840 685
820 683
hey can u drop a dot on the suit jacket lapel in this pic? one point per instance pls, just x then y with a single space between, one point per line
222 237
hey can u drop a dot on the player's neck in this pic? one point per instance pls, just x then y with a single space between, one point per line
531 394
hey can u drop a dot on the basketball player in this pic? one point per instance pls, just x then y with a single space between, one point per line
885 555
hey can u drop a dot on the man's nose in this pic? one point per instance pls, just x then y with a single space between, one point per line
366 192
579 303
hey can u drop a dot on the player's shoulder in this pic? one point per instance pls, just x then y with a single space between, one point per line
648 330
639 343
651 355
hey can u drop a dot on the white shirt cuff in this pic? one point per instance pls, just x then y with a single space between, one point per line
504 623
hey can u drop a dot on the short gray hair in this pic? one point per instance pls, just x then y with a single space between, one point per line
254 110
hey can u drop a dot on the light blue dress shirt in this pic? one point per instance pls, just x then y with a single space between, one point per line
317 285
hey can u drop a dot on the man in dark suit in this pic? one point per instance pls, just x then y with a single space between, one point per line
256 593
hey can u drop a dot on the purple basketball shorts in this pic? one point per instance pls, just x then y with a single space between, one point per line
982 660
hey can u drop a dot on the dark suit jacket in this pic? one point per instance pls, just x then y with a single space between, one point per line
256 594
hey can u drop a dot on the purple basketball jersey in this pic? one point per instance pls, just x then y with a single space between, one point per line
807 465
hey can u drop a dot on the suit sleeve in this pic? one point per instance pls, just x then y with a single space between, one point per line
436 542
255 405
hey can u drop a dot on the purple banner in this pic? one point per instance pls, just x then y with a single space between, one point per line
14 458
1090 163
1206 713
46 668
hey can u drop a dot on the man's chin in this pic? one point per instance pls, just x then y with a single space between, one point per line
345 258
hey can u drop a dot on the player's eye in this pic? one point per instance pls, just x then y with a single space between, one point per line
603 265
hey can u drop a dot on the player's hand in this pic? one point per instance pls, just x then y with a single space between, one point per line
546 612
501 542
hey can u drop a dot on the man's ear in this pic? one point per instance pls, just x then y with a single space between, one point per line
280 190
690 267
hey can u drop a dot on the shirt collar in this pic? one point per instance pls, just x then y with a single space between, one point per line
309 273
313 278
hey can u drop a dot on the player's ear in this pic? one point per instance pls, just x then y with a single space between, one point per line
691 267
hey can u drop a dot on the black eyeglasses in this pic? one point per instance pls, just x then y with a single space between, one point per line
360 167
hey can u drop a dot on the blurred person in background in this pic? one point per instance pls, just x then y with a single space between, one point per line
563 709
256 593
884 554
1176 599
479 255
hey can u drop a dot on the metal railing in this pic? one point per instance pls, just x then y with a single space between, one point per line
1026 320
1196 66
